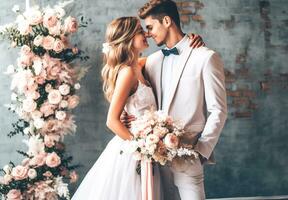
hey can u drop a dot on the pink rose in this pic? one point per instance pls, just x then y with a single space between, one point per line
58 46
65 40
38 40
73 177
171 141
49 20
53 160
55 30
19 172
29 105
48 42
53 71
54 97
14 195
47 109
38 160
73 101
71 25
25 162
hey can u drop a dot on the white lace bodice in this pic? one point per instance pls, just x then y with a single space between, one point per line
141 100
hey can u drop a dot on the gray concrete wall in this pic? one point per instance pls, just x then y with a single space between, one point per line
250 35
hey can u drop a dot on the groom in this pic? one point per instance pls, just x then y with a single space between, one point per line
189 85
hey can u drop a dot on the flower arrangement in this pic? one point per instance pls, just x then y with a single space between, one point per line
44 85
158 138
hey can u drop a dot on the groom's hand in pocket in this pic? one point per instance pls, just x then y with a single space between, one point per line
196 40
127 119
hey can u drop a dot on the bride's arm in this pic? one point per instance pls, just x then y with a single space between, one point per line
124 85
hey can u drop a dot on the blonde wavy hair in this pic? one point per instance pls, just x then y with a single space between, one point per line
119 35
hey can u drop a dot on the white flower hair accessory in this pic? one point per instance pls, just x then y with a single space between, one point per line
106 47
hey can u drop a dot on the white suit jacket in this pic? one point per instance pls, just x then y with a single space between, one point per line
197 97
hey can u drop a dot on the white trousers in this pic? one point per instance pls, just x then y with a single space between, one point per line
183 181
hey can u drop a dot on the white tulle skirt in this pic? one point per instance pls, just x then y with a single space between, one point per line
114 177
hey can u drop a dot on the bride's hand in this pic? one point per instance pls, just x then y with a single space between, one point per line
196 40
127 119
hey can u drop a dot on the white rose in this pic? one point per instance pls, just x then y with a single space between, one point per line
39 123
55 30
63 104
33 16
36 114
37 66
152 139
38 40
60 12
7 178
60 115
29 105
64 89
54 97
32 173
26 131
24 27
14 97
77 86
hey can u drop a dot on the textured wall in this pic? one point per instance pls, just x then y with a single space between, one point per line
250 35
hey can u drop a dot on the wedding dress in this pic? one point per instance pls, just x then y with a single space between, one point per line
114 176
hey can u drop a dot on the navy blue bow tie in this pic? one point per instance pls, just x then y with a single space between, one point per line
167 52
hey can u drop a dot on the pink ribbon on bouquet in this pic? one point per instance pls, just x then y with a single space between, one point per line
147 180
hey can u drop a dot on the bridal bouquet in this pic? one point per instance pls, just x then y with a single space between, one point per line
43 94
157 138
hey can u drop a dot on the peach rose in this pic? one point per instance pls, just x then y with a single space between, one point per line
55 30
29 105
36 114
53 160
171 141
73 101
38 160
19 172
14 195
48 88
53 71
70 25
48 42
54 97
49 140
50 127
47 109
38 40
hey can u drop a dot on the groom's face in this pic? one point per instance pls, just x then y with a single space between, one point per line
156 30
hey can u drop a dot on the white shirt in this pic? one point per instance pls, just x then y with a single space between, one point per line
169 64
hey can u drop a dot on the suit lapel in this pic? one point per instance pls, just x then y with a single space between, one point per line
159 81
178 73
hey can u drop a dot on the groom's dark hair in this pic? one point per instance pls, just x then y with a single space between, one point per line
158 9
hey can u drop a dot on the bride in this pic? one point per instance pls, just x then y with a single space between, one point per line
114 176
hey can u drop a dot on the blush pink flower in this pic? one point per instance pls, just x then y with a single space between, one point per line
38 160
49 20
54 97
38 40
48 42
19 172
58 46
14 195
29 105
53 160
73 177
73 101
47 109
71 25
49 140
